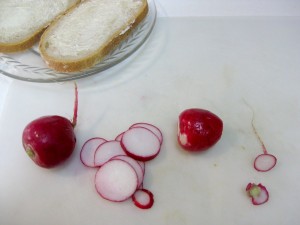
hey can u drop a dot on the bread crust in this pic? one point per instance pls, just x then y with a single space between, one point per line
68 66
28 42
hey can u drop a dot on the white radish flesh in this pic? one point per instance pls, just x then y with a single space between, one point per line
143 199
119 137
151 127
140 143
116 180
88 151
136 166
264 162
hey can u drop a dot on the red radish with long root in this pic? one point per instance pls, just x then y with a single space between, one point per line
50 140
266 161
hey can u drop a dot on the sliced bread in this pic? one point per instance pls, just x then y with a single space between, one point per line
23 21
88 32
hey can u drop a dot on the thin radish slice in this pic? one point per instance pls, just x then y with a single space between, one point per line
106 151
258 193
264 162
151 127
116 180
119 137
140 143
136 166
88 151
143 198
142 165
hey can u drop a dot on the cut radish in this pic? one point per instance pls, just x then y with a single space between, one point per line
142 165
151 127
264 162
136 166
88 151
143 199
140 143
106 151
119 137
116 180
258 193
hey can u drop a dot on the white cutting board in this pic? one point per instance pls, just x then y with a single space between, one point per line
211 63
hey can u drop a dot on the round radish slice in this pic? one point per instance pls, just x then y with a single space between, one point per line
264 162
140 143
106 151
136 166
88 151
119 137
116 180
143 199
151 127
142 165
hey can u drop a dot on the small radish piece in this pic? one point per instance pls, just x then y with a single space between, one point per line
106 151
140 143
116 180
50 140
151 127
136 166
258 193
198 129
264 162
143 198
88 150
119 137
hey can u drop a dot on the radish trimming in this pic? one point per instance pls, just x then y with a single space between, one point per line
258 193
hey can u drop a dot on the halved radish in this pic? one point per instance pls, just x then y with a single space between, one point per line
88 151
151 127
258 193
136 166
143 198
140 143
116 180
106 151
119 137
264 162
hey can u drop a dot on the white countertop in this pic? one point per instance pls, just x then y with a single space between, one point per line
205 54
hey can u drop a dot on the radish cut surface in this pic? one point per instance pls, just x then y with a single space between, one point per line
143 198
140 143
136 166
116 180
264 162
106 151
119 137
151 127
258 193
88 151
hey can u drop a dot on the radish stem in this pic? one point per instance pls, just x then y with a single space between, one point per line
74 121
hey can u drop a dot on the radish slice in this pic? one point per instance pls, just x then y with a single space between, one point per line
140 143
264 162
151 127
88 151
116 180
136 166
119 137
142 165
106 151
143 199
258 193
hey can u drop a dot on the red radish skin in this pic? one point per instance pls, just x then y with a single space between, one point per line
116 180
140 143
106 151
198 129
50 140
151 127
88 150
258 193
143 199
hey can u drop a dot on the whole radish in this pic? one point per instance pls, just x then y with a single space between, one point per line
50 140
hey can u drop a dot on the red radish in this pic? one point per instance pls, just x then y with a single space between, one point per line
106 151
140 143
50 140
88 150
258 193
116 180
198 129
119 137
143 198
136 166
151 127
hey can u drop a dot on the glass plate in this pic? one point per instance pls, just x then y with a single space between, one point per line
29 66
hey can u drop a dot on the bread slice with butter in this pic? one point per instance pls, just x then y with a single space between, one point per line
88 32
23 21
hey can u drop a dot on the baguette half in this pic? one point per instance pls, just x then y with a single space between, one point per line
23 21
87 33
